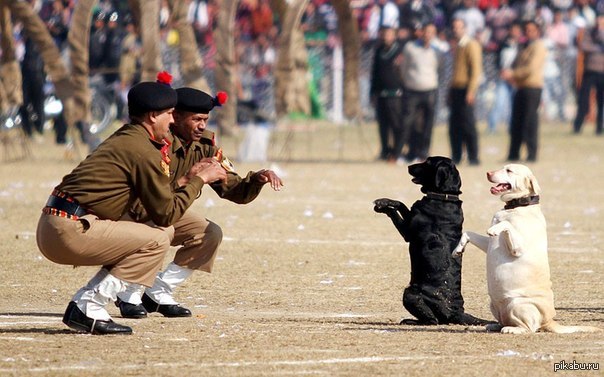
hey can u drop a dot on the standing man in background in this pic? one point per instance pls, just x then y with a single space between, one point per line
593 75
526 75
421 62
386 91
33 77
467 73
504 91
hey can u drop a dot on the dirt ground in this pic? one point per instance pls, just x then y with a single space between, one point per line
309 280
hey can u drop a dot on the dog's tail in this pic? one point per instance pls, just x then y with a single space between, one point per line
557 328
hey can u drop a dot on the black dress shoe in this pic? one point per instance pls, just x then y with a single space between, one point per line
167 310
77 320
128 310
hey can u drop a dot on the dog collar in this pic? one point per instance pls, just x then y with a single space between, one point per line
522 202
445 197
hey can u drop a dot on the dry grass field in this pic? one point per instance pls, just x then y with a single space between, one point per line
309 280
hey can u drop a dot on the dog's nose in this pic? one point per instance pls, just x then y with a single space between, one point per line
489 174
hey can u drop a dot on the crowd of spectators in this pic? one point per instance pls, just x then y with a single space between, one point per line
257 28
489 21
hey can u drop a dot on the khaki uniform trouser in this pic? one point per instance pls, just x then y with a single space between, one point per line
131 251
199 238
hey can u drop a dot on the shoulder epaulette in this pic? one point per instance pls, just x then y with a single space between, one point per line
208 137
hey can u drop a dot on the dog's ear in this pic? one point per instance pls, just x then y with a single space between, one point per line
533 185
447 178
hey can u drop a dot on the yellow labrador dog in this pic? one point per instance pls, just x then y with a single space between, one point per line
518 274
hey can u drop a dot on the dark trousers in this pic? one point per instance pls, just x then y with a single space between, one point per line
462 126
418 121
32 110
60 127
389 117
590 80
524 128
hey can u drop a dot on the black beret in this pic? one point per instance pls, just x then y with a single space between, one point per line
150 96
196 101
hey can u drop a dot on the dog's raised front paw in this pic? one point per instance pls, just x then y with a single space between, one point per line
461 246
516 252
385 205
458 252
495 230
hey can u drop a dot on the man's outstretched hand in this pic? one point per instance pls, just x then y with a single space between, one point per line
269 176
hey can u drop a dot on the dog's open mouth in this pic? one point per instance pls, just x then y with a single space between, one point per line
502 187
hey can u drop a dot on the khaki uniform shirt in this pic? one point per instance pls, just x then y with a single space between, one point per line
529 64
236 189
467 65
126 167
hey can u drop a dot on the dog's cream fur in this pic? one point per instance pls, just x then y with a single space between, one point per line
518 274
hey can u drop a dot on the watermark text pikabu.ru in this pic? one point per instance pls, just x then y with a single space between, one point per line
574 365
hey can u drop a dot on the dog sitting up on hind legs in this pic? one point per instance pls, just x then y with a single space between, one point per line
432 227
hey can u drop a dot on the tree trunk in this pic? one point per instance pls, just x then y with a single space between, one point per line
351 44
279 7
53 63
149 26
191 65
7 43
11 92
226 67
79 39
135 10
291 79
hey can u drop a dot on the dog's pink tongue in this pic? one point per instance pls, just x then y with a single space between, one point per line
500 188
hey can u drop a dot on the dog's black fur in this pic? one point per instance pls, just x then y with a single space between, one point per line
433 227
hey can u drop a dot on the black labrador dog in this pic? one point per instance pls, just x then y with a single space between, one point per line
433 227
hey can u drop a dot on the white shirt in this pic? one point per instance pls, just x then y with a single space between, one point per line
390 15
198 12
373 26
420 66
473 18
508 55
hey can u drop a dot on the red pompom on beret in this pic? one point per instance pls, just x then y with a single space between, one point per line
197 101
164 77
221 98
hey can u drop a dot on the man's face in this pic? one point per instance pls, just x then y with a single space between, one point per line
531 31
600 22
515 32
161 126
190 126
389 36
429 33
459 28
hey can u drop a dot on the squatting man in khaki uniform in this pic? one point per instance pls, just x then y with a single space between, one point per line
193 148
83 221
